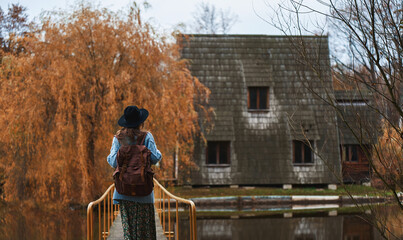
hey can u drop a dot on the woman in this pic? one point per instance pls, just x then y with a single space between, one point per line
137 213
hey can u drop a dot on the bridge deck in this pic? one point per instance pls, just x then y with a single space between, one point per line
117 229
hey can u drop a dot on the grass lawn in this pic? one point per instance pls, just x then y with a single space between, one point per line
187 192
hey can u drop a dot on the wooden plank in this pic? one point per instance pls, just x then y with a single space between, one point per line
117 229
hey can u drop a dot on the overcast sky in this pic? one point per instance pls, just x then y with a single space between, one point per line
164 14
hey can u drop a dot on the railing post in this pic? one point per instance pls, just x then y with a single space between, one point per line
194 221
107 203
169 217
163 212
177 221
160 204
89 222
192 225
99 222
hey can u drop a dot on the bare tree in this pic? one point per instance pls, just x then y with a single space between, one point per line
209 20
14 26
371 68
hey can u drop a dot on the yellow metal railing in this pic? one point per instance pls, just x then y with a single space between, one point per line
163 201
107 213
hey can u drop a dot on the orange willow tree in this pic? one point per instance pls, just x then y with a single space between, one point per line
61 100
388 158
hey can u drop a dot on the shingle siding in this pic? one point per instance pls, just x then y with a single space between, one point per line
360 118
261 142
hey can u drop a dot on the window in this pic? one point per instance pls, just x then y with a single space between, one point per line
302 152
218 152
258 98
353 153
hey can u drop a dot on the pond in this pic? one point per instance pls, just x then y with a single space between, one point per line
309 222
33 224
294 228
18 224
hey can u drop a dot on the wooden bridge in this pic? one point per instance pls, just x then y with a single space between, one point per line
116 230
108 225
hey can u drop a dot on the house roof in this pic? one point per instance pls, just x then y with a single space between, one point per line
229 63
357 119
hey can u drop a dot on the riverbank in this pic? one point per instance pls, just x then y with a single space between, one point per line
271 199
284 200
342 190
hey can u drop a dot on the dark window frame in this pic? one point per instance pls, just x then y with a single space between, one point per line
347 151
258 97
219 145
304 146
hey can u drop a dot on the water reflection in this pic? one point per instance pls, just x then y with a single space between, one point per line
19 224
297 228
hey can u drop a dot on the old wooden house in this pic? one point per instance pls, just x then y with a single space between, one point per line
358 131
269 127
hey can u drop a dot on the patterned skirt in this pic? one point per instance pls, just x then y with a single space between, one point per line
138 220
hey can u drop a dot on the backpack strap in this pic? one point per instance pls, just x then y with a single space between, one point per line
142 167
141 142
141 138
124 168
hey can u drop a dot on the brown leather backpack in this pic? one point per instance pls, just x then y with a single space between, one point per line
133 175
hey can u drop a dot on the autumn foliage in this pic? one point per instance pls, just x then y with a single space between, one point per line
388 158
61 99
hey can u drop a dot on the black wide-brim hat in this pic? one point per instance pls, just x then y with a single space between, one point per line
133 117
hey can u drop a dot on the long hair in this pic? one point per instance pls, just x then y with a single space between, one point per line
127 136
